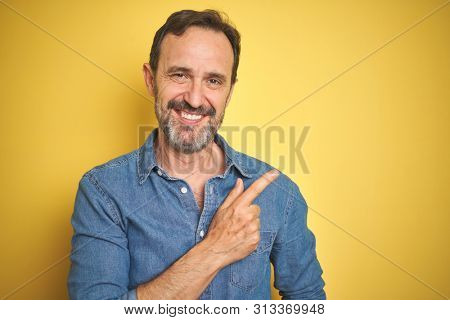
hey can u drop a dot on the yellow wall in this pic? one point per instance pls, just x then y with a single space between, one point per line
72 96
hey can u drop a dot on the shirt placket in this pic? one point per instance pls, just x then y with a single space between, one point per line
209 208
205 217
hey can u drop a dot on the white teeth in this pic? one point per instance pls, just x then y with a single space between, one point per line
190 116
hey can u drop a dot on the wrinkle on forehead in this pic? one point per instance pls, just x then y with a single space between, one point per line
199 49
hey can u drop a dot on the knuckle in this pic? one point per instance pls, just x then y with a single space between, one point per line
232 209
255 239
237 220
252 228
249 217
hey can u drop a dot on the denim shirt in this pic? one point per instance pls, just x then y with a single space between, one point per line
132 221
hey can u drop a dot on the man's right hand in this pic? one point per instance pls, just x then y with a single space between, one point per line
234 230
233 235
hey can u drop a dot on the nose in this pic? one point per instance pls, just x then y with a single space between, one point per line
194 94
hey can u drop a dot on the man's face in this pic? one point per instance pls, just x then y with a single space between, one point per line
192 87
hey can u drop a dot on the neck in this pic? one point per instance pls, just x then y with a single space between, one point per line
209 160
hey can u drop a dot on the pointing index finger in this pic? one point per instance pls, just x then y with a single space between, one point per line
247 197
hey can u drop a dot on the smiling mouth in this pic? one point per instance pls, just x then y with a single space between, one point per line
189 118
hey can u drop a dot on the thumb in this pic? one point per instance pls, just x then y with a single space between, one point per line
234 193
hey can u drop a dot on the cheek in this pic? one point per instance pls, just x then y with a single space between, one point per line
218 100
169 90
163 99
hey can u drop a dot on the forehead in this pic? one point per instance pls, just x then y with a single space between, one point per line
199 49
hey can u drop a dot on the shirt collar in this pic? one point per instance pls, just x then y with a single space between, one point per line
147 158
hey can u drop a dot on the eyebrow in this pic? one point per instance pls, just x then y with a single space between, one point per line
212 74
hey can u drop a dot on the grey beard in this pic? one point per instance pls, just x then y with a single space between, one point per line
183 138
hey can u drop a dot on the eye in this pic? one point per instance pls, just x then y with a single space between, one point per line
214 82
178 76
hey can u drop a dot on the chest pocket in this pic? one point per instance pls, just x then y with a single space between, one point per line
246 273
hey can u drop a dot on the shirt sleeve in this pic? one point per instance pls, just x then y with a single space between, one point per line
100 258
298 274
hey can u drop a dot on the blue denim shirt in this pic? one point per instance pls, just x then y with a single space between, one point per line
131 221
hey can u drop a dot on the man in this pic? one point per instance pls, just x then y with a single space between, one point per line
185 216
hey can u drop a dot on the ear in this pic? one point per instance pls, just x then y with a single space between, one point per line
149 78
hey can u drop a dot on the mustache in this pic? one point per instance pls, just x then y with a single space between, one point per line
184 106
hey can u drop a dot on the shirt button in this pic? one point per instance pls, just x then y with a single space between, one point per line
183 190
202 233
159 172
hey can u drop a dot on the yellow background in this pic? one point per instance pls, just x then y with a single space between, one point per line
73 96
